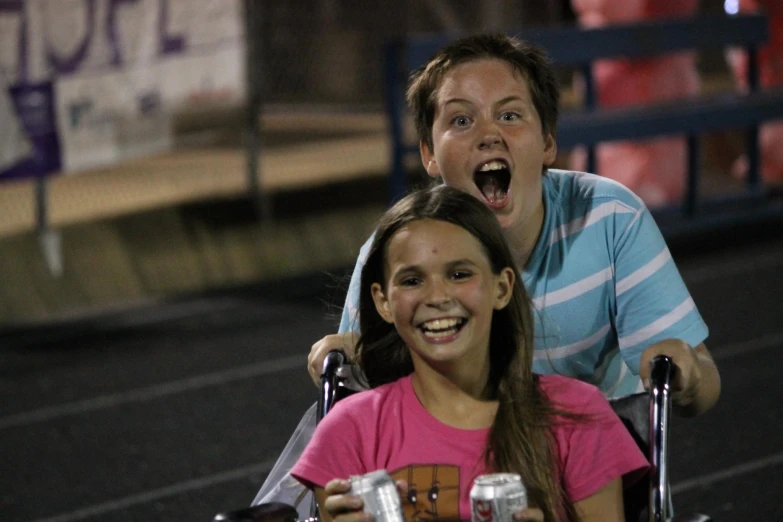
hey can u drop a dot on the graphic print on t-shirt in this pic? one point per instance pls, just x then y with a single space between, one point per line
433 492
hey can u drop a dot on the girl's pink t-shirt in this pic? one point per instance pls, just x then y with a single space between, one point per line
388 428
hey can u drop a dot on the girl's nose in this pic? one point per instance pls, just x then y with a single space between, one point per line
439 294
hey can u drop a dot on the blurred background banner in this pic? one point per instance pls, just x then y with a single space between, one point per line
115 72
15 146
33 111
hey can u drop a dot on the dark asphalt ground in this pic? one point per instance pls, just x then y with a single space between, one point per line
176 410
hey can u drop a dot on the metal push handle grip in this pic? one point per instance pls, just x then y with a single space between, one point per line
333 360
661 371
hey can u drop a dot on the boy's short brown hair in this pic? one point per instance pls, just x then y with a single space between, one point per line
529 60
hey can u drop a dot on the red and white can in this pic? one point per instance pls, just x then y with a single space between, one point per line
496 497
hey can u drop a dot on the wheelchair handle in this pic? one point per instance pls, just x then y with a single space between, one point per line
661 371
332 362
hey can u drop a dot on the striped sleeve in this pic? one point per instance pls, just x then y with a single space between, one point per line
652 302
349 320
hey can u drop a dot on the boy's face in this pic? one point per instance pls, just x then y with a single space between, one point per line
488 142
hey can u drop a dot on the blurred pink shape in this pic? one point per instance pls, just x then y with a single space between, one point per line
770 59
654 169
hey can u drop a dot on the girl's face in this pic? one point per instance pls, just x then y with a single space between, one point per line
440 293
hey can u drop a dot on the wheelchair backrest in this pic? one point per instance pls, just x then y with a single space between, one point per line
634 412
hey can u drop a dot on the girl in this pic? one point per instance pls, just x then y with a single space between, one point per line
446 349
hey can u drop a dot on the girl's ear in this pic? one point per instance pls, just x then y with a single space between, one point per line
381 303
504 286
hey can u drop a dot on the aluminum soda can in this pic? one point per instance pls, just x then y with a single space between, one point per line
496 497
379 493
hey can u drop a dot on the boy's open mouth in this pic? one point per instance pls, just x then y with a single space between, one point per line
492 179
441 328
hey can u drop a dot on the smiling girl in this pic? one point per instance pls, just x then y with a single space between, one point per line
446 349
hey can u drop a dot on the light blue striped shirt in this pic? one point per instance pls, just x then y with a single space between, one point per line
602 281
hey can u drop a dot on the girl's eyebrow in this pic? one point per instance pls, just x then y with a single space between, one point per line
407 269
416 269
461 262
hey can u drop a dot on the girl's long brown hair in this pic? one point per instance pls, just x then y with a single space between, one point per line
521 438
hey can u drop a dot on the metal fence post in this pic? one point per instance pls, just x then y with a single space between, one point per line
254 79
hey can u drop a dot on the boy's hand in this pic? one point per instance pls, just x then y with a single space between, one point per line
687 377
315 361
529 515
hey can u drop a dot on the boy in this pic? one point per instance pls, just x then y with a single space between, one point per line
608 295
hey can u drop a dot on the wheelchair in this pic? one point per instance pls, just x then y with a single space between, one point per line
646 415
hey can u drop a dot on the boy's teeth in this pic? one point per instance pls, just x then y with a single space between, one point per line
492 165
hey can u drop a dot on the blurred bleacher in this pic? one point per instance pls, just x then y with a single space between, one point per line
187 220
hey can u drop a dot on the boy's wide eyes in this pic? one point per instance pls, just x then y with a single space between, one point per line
460 274
464 121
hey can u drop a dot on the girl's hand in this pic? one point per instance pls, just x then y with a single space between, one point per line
341 506
529 515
